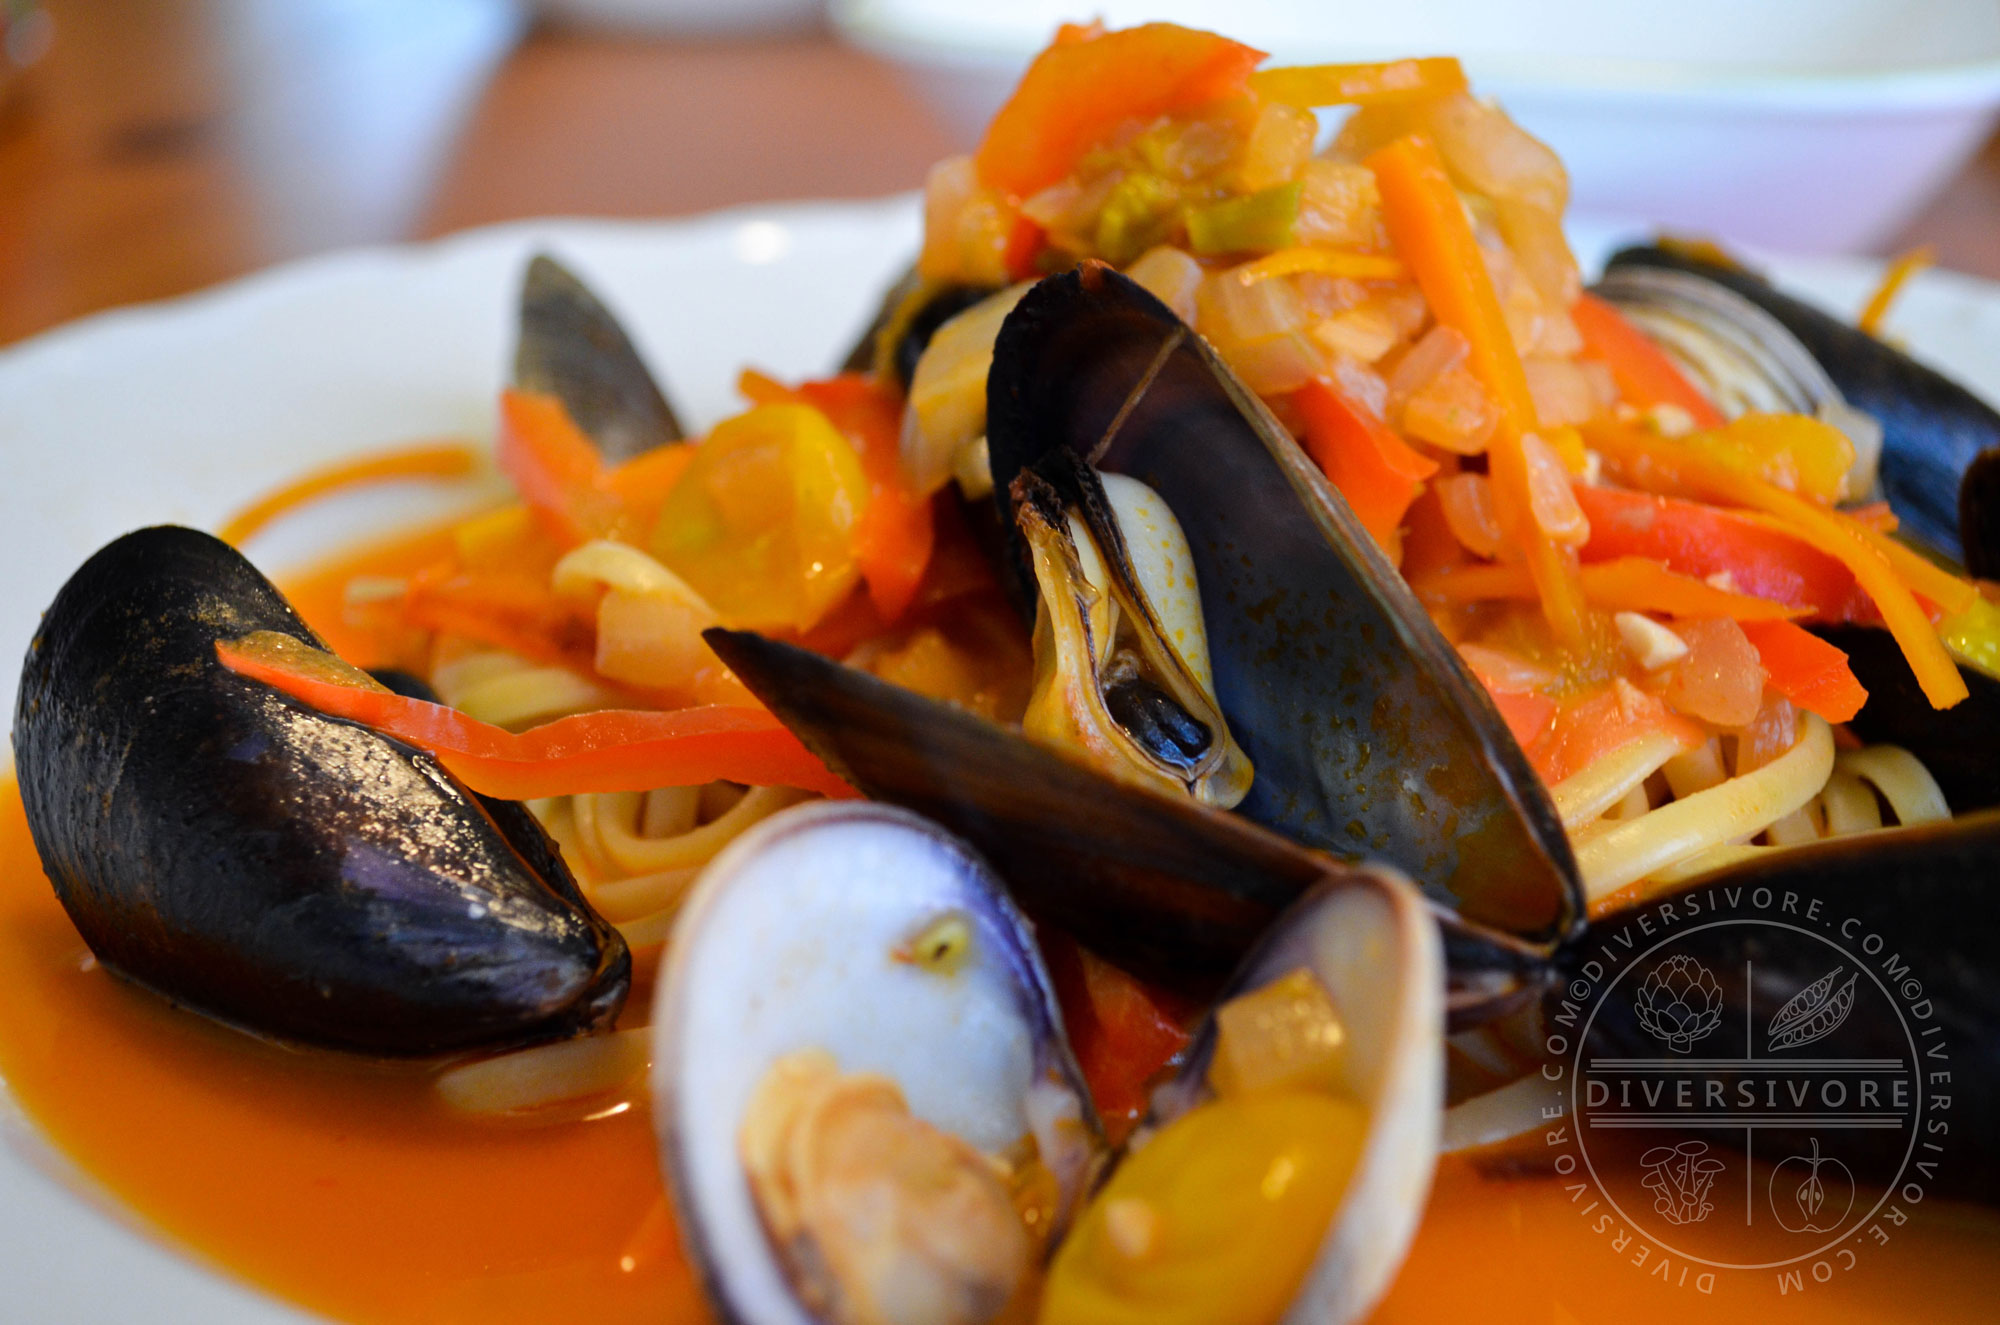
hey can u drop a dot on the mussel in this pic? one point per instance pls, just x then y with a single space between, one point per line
570 346
1868 950
293 874
854 1035
1368 735
868 1110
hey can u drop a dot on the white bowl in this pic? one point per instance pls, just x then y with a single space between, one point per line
1811 125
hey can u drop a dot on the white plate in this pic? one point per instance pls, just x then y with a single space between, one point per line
181 411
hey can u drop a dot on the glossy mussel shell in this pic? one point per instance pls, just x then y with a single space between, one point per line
1368 735
293 874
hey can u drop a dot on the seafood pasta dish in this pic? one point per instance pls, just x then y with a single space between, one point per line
1258 751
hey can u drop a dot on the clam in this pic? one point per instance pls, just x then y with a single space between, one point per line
1368 736
293 874
1750 346
860 1076
570 346
1361 1079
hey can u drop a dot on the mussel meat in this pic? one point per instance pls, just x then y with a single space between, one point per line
293 874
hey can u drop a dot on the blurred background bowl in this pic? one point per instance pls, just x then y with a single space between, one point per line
1816 126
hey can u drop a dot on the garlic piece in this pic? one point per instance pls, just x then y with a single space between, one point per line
1650 642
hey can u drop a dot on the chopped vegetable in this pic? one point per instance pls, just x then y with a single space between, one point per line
1286 1035
613 750
763 522
1628 584
1601 721
1122 1030
1324 261
1906 265
1215 1221
556 469
1075 93
1375 470
1659 464
893 538
1807 670
1253 223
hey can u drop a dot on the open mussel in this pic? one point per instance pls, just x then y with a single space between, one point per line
1368 735
867 1107
570 346
1750 346
290 873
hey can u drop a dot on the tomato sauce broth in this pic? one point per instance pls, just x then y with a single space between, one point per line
346 1186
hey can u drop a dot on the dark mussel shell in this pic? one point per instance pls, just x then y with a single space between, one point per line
912 310
1913 912
293 874
1176 891
1368 735
571 347
1932 428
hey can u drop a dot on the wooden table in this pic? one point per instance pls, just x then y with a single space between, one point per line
164 145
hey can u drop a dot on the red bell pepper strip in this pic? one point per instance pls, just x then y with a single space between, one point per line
1079 90
1806 669
1122 1030
556 469
1375 470
613 750
1645 376
1701 540
1629 584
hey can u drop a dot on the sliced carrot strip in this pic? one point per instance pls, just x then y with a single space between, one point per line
614 750
1806 669
1645 376
1427 223
1655 464
1385 83
1906 265
1629 584
440 460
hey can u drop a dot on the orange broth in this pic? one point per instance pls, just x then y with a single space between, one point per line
345 1186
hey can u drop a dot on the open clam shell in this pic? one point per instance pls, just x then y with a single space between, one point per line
1369 940
1368 735
798 938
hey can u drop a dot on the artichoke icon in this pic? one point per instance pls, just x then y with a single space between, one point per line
1679 1002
